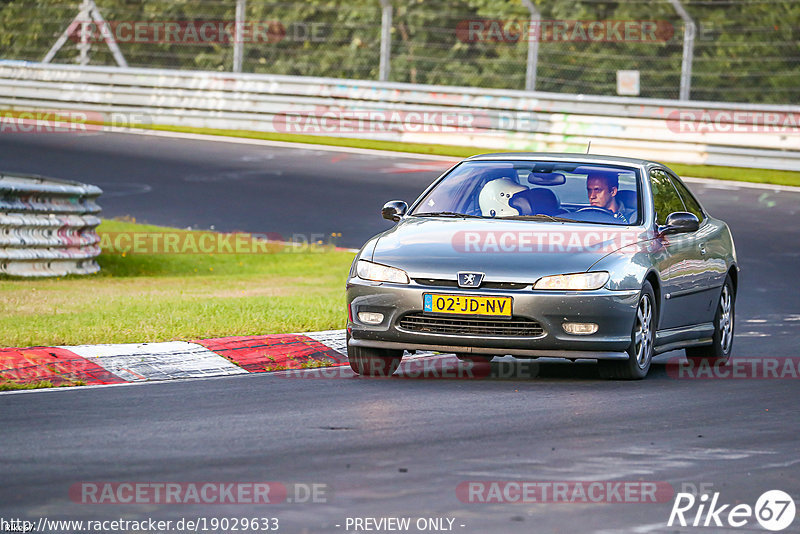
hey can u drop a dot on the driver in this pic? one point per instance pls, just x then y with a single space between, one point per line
602 192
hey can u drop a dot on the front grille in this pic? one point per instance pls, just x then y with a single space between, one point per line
435 282
516 327
503 285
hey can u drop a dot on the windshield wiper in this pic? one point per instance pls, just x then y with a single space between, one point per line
447 214
538 217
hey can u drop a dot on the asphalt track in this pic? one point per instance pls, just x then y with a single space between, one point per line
397 447
180 183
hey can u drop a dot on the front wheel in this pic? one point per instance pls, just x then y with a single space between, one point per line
722 343
368 361
640 351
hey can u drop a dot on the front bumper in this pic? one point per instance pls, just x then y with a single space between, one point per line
612 311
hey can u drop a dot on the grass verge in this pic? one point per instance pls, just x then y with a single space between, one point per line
15 386
184 296
39 384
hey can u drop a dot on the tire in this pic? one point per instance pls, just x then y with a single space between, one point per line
720 349
640 351
367 361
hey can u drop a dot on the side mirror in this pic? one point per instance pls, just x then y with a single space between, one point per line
394 210
680 222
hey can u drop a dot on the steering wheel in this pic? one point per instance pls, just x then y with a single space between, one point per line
597 209
595 214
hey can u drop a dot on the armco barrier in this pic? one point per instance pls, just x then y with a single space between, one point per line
47 227
667 130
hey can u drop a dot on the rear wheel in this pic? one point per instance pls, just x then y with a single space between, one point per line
368 361
720 349
640 351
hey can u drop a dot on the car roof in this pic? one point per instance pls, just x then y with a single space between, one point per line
581 158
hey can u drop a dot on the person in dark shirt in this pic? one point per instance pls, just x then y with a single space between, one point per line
602 192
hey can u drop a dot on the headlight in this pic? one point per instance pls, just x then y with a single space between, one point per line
380 273
573 282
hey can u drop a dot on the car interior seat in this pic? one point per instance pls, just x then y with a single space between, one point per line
629 200
537 201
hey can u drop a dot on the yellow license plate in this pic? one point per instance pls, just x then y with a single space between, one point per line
467 305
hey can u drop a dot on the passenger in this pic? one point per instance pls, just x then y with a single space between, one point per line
602 192
494 197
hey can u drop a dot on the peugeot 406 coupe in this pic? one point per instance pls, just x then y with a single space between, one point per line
546 255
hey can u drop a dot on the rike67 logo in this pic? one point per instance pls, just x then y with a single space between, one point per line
774 510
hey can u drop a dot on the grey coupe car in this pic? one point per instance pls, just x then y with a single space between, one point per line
546 255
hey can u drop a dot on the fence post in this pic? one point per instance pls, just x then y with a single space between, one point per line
88 11
533 46
689 32
238 44
84 46
386 40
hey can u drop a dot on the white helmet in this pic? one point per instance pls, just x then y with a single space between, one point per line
495 195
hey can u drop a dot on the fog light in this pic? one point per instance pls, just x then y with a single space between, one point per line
580 329
370 317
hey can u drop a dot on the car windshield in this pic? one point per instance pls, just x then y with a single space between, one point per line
536 190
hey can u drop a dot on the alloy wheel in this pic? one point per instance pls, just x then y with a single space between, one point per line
643 336
726 319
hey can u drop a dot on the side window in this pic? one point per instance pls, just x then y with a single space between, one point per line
665 197
692 205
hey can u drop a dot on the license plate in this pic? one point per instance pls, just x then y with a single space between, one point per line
467 305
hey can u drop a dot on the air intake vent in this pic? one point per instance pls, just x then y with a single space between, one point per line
434 282
516 327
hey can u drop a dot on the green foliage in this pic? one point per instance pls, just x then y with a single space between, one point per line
745 51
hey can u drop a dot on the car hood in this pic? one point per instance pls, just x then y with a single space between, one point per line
505 251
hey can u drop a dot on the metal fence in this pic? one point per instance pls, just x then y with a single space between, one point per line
47 227
711 50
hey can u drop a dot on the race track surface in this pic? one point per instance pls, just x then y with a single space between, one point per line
398 447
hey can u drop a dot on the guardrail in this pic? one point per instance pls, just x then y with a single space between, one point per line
47 227
667 130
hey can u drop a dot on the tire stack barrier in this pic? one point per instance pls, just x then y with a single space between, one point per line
47 226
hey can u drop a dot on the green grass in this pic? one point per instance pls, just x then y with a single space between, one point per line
14 386
160 297
8 385
743 174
